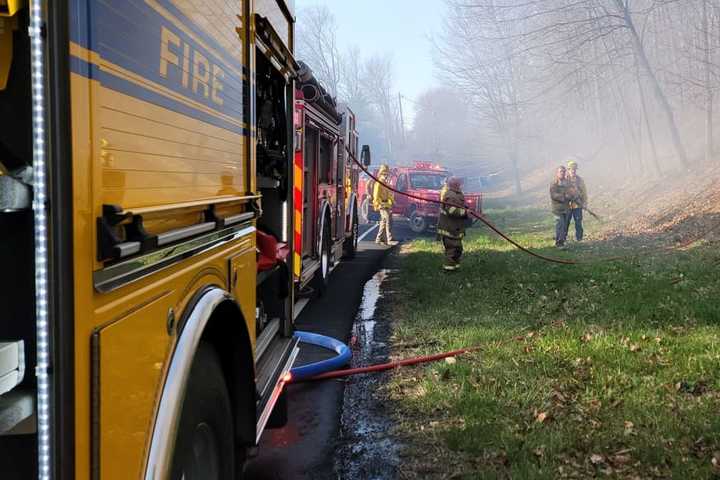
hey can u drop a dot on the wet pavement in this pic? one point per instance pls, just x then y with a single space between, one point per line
366 449
337 429
305 447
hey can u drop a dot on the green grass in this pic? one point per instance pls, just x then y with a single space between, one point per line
608 369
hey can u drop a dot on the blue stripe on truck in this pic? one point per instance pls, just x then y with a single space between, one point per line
136 37
121 85
80 16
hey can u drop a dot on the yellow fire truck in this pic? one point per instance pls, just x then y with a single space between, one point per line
145 235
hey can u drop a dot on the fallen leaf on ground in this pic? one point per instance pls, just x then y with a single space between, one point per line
597 459
541 417
558 396
620 459
629 428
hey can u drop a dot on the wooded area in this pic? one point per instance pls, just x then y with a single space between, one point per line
622 85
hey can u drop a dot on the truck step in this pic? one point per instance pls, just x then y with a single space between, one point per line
266 337
271 368
17 412
12 365
14 194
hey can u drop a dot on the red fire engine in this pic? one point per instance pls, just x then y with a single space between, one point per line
326 179
423 180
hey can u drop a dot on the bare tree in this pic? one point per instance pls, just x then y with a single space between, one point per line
351 85
443 130
486 72
318 46
365 84
377 79
574 73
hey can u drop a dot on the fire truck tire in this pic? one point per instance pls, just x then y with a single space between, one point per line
205 448
351 243
365 210
418 223
322 274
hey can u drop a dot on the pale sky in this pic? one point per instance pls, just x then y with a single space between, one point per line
402 27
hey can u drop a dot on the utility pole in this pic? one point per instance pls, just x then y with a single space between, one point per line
402 118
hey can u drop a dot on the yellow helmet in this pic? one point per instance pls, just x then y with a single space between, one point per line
572 164
383 169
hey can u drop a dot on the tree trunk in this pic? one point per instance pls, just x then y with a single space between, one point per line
709 143
657 89
648 126
516 170
516 140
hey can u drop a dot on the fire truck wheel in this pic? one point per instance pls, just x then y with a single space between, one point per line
418 224
351 243
204 448
322 274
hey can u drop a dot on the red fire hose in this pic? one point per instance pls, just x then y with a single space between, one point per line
386 366
472 213
540 256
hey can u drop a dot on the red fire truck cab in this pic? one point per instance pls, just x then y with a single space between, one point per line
424 180
326 179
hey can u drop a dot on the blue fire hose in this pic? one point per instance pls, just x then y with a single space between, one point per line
342 357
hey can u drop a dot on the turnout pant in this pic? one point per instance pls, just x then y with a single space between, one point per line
577 215
562 222
453 250
385 229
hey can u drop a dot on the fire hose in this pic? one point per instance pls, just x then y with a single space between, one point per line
330 368
507 238
312 370
385 366
472 213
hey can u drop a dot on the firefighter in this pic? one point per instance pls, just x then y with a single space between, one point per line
560 196
452 223
383 200
577 184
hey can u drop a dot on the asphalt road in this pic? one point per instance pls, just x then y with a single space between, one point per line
305 447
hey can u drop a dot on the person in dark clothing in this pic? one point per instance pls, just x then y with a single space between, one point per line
560 195
452 223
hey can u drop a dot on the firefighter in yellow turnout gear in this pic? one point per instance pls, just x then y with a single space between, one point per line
452 222
383 200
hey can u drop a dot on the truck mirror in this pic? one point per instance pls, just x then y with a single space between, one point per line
365 155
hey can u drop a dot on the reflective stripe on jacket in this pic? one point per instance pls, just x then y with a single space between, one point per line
453 217
455 211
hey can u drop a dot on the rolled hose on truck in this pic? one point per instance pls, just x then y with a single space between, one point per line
331 368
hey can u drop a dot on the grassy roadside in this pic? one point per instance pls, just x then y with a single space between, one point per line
609 369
